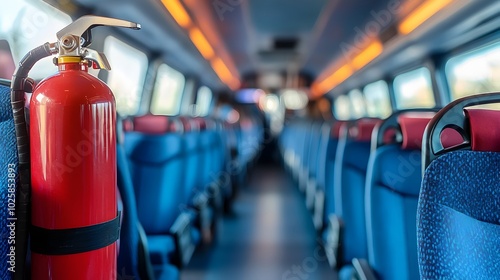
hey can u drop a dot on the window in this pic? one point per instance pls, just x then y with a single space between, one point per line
203 101
474 72
7 65
378 104
342 108
358 105
127 75
414 89
29 24
167 94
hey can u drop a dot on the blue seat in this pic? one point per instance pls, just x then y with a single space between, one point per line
311 163
392 189
324 132
458 211
351 164
329 167
193 160
330 234
9 165
203 166
155 152
133 258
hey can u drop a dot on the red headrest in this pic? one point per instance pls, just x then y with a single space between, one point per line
362 130
128 125
450 137
335 132
202 123
152 124
186 123
412 128
484 129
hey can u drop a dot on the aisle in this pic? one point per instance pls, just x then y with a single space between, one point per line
270 236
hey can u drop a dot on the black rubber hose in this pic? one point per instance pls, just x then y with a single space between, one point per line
20 84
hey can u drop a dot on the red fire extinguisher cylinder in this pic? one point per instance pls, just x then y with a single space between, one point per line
73 165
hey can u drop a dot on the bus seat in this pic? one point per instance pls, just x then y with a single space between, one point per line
193 159
311 163
320 176
329 203
303 151
351 164
134 257
8 160
392 189
155 152
458 212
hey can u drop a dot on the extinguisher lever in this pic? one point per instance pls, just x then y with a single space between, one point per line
74 39
98 59
82 26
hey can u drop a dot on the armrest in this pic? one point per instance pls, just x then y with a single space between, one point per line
181 230
201 200
333 246
362 270
145 268
319 209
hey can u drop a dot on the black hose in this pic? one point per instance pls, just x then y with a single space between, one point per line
20 84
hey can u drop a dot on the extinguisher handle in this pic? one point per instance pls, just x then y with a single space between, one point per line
84 24
98 58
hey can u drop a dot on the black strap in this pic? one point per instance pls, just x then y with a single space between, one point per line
74 240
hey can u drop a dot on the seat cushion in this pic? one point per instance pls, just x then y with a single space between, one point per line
166 272
161 249
346 273
196 235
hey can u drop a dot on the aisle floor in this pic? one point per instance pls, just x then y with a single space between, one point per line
269 236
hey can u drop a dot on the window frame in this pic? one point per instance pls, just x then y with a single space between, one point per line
210 104
431 70
360 91
334 108
105 75
186 80
467 49
389 95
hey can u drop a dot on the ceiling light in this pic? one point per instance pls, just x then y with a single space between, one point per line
421 15
201 43
178 12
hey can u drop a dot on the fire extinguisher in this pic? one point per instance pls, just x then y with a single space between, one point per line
72 160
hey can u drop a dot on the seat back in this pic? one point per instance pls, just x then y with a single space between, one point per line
392 189
329 174
8 167
205 141
155 151
351 164
193 158
128 262
458 211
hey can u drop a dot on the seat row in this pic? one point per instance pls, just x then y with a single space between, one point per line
176 174
361 181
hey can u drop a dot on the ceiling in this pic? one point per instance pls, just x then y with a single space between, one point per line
261 36
251 28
